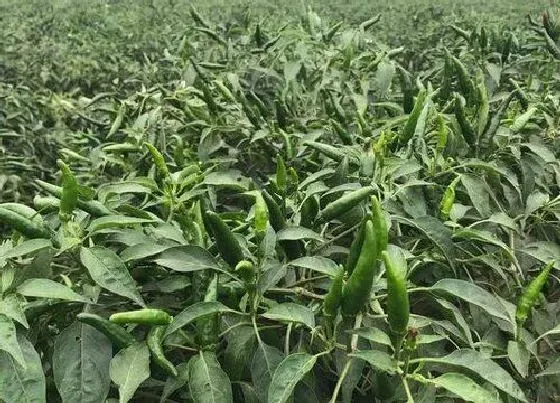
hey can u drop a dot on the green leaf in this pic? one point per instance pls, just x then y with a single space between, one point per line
464 387
378 359
129 368
11 307
175 383
296 233
483 236
8 340
27 247
535 201
187 258
142 251
115 221
19 383
483 367
555 330
519 356
196 311
273 273
477 190
241 343
317 263
45 288
288 373
436 232
207 381
384 76
473 294
544 252
552 369
372 334
109 271
80 360
264 363
231 178
291 312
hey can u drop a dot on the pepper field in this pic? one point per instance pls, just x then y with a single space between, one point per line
319 201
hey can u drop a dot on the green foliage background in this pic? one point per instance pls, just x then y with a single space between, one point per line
266 113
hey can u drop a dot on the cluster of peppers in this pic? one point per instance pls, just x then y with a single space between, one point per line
349 292
361 270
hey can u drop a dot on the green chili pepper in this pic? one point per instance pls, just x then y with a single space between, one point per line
334 296
345 203
93 207
293 180
145 316
154 341
158 160
531 294
520 94
259 38
398 307
494 123
506 50
46 204
341 174
246 270
342 133
198 19
332 31
118 121
179 151
69 198
261 215
466 84
309 210
118 336
408 90
213 35
442 133
24 219
281 114
227 244
466 127
483 39
224 90
521 121
281 175
275 215
356 247
330 151
121 148
261 106
369 23
447 73
356 292
483 106
410 125
448 198
379 225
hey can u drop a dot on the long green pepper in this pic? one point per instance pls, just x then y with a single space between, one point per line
345 203
70 189
356 292
398 306
227 244
531 294
334 296
154 340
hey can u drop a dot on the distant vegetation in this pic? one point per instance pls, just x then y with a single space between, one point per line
279 201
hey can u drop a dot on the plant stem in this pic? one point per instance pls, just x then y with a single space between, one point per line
340 380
